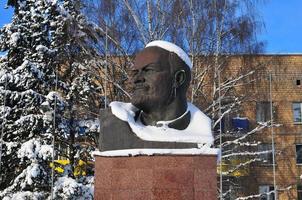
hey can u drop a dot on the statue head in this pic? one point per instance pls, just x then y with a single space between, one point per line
161 75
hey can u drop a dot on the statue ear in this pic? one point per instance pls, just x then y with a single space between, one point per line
179 78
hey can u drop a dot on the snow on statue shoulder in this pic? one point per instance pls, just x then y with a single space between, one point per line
198 131
159 116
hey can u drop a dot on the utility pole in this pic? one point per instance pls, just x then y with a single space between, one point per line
272 135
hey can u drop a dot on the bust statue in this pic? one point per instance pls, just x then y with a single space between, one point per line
159 115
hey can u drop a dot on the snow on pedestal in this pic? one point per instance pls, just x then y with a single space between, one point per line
151 152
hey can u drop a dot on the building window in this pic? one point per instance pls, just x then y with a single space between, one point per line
297 111
298 82
267 155
299 153
299 192
266 192
263 111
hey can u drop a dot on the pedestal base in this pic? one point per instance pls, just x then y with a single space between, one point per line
164 177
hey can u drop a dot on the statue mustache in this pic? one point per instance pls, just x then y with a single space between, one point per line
136 86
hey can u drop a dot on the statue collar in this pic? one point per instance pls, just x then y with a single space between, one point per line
165 124
198 130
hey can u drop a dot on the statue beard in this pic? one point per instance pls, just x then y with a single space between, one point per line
147 103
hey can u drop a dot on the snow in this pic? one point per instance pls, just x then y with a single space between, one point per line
240 118
69 188
59 99
28 120
7 77
42 48
45 104
165 124
25 178
10 146
198 131
124 111
53 94
91 125
53 24
22 4
32 172
28 65
25 195
33 149
150 152
45 152
172 48
14 39
5 111
67 184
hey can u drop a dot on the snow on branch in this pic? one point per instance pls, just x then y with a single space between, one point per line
255 196
30 67
247 153
240 165
236 141
66 187
4 112
27 177
231 82
235 103
34 149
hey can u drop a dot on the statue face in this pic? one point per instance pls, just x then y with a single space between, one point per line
152 79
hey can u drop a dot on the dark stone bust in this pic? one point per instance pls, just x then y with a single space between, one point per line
160 79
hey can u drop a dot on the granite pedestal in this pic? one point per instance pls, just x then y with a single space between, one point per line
157 177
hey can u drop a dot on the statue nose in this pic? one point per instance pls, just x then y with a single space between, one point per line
139 78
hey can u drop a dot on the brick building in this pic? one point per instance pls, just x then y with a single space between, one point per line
283 93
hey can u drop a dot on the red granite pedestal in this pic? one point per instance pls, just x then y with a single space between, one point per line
163 177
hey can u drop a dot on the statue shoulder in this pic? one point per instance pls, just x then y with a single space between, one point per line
106 116
118 111
109 120
105 113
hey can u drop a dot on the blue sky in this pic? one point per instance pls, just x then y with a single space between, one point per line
5 14
283 24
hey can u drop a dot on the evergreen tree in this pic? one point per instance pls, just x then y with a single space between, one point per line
26 83
47 68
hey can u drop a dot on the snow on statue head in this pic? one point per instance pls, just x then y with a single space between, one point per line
172 48
159 115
